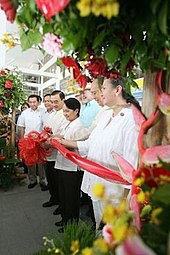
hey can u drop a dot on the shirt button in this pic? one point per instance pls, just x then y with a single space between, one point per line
121 114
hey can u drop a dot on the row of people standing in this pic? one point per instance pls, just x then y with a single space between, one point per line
113 131
66 122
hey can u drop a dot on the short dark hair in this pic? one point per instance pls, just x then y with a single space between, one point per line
40 98
36 96
73 104
61 94
47 95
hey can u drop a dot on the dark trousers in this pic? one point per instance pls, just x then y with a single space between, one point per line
52 179
69 194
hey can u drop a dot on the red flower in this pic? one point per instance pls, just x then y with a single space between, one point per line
8 84
9 9
2 72
97 67
2 157
1 104
131 63
50 8
81 79
112 74
153 176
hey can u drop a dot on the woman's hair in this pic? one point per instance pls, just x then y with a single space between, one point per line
73 104
128 97
24 104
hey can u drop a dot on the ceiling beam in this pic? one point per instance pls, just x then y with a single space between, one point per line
35 72
48 64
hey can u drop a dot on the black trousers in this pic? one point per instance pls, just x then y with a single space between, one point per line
69 194
52 179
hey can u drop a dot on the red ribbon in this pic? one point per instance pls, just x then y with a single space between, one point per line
88 165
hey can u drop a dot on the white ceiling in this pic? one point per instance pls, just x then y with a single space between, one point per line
16 56
23 59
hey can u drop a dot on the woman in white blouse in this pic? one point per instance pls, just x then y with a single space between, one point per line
115 132
69 175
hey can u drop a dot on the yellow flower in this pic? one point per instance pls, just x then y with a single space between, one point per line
75 247
87 251
98 7
84 7
108 10
141 197
99 190
122 207
139 181
57 251
154 215
120 232
109 214
101 244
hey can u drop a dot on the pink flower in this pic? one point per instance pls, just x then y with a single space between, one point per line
52 45
108 235
1 104
8 84
133 246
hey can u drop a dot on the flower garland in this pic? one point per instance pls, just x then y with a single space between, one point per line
11 90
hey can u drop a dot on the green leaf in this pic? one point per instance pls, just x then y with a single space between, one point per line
154 5
162 194
98 40
162 17
125 60
111 54
146 211
35 36
32 37
47 28
165 165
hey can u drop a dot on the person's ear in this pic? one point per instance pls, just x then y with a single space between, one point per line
76 111
118 90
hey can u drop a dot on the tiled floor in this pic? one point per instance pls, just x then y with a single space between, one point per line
23 220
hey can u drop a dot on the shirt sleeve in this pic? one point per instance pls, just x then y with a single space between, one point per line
83 147
130 149
21 120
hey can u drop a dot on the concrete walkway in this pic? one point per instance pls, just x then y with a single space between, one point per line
23 220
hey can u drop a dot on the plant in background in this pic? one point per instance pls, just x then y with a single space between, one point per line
113 41
75 238
11 96
11 90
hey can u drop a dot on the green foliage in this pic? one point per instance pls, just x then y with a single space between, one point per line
12 96
156 221
140 32
163 194
82 232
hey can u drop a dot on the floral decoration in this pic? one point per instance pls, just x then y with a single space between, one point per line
11 96
11 90
111 37
52 45
110 29
106 8
30 149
